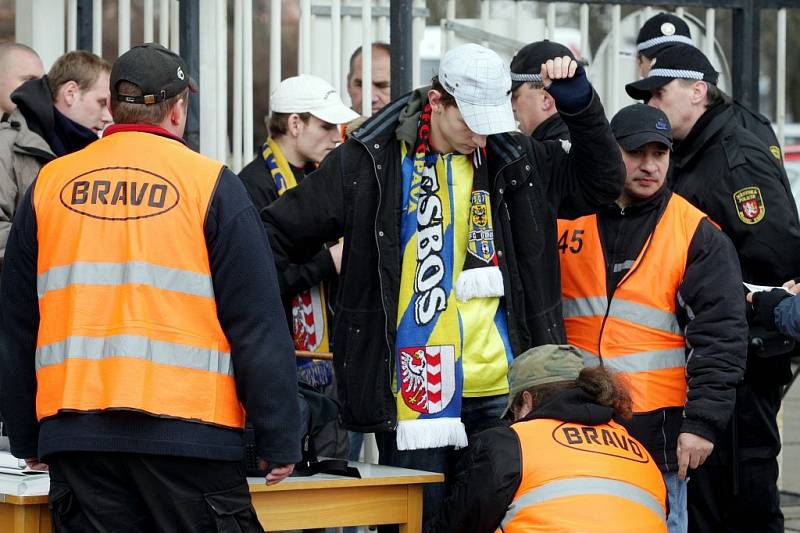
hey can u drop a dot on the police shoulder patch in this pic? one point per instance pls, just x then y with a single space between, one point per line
776 151
749 205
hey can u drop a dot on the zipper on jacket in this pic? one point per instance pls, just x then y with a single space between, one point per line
380 276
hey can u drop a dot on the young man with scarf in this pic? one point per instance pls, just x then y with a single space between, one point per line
305 112
730 174
449 266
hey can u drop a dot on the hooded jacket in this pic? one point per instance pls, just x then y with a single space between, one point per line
34 134
356 193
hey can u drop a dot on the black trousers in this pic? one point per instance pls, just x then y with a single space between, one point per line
714 507
126 493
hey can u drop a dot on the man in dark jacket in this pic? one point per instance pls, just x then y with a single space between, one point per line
534 108
138 325
666 29
728 173
506 190
691 360
58 114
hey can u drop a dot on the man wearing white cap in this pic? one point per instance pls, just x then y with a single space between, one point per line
303 128
450 266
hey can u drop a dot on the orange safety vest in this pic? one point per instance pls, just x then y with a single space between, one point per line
593 479
128 318
638 334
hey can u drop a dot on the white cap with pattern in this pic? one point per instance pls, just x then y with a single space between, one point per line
480 81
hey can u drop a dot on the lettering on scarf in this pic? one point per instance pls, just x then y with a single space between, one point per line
430 298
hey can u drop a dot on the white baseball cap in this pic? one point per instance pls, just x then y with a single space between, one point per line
310 94
480 81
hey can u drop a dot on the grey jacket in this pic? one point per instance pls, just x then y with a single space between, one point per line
22 154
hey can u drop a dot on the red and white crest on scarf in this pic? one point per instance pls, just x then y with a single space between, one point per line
427 377
307 320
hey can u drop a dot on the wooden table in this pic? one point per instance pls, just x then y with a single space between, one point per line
383 495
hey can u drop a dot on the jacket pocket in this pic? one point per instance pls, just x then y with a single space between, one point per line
64 509
232 511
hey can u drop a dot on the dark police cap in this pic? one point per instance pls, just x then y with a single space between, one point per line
639 124
160 74
681 61
660 32
527 64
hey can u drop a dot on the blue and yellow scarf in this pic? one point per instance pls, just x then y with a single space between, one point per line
429 338
309 316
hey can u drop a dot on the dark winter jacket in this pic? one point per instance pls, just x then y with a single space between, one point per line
728 172
711 315
356 193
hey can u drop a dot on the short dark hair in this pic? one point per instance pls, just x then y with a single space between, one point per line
377 45
79 66
448 99
278 123
128 113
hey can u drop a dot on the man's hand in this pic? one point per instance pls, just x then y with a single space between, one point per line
558 68
278 472
336 255
693 451
35 464
793 286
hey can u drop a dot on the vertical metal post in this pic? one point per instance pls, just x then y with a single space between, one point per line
746 28
189 13
97 27
336 45
711 18
238 77
401 37
123 26
163 23
780 97
305 37
274 44
84 25
247 79
149 21
72 25
366 58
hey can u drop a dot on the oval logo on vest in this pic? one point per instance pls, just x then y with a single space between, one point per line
119 193
606 440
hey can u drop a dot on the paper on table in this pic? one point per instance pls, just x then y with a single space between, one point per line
759 288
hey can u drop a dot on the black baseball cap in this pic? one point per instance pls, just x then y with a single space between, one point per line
681 61
527 63
159 72
662 31
638 124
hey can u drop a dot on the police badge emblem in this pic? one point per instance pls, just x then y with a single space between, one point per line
668 29
749 205
775 151
428 377
480 243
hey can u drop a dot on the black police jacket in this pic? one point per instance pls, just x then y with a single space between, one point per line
729 173
356 194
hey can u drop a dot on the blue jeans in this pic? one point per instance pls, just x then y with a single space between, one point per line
678 518
477 414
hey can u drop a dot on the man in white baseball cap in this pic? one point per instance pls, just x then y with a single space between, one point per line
450 261
305 114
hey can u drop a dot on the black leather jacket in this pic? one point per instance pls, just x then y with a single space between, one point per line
356 193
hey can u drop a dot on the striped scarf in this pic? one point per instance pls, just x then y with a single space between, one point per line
309 316
429 339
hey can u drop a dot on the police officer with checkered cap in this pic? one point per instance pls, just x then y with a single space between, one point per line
729 173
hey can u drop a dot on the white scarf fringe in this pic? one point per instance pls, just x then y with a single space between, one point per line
431 433
484 282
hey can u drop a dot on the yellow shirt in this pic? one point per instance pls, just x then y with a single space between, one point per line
486 351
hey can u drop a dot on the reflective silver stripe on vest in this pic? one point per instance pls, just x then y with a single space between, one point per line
132 272
640 361
627 310
136 347
583 486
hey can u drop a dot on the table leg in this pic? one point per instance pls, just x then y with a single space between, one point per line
414 517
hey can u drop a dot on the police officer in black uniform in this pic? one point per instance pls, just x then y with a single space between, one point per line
728 172
664 30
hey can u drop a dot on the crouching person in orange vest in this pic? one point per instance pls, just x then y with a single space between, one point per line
565 464
141 318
